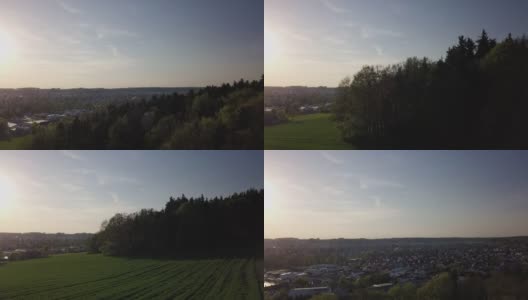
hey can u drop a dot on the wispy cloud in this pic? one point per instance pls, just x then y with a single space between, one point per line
334 8
377 200
104 32
115 51
333 190
37 184
335 40
287 184
280 34
68 7
331 158
72 155
84 171
369 32
379 50
115 197
69 40
369 183
104 179
300 37
71 187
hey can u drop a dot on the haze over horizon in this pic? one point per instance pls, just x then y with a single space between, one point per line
129 43
75 191
395 194
320 42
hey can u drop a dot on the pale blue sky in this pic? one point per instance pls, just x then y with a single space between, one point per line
124 43
379 194
74 191
319 42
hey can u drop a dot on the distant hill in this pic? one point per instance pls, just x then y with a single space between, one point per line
310 95
367 243
94 93
34 240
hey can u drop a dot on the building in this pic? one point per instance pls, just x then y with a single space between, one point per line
307 292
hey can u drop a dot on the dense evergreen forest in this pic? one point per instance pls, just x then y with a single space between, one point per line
475 98
222 226
224 117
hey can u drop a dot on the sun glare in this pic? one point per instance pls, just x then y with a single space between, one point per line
270 47
268 194
7 192
7 48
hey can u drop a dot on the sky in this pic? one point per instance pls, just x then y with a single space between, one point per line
129 43
387 194
74 191
320 42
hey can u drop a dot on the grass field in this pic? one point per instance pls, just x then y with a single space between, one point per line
87 276
314 131
17 143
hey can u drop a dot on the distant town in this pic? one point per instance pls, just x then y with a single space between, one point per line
20 126
22 246
298 100
26 107
304 268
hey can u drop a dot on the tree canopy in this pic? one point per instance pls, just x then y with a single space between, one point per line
220 226
224 117
475 98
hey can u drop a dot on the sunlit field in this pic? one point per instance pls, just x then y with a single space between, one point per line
314 131
83 276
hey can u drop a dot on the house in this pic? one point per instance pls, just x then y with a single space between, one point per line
382 286
310 109
307 292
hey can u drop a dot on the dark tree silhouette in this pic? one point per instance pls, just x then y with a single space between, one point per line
475 98
217 227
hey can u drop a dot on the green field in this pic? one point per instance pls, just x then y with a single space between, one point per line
17 143
87 276
315 131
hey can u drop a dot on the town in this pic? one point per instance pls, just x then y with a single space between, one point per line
20 126
27 107
292 101
382 264
22 246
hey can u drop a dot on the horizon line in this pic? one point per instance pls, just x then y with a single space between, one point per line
302 86
38 232
394 238
104 88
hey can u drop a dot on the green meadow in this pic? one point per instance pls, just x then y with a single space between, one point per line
17 143
91 276
306 132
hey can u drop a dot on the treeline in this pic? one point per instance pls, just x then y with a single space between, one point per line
43 241
446 286
19 103
271 117
23 255
224 117
474 98
218 227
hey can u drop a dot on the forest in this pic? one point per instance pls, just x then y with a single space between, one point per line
215 117
231 226
474 98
